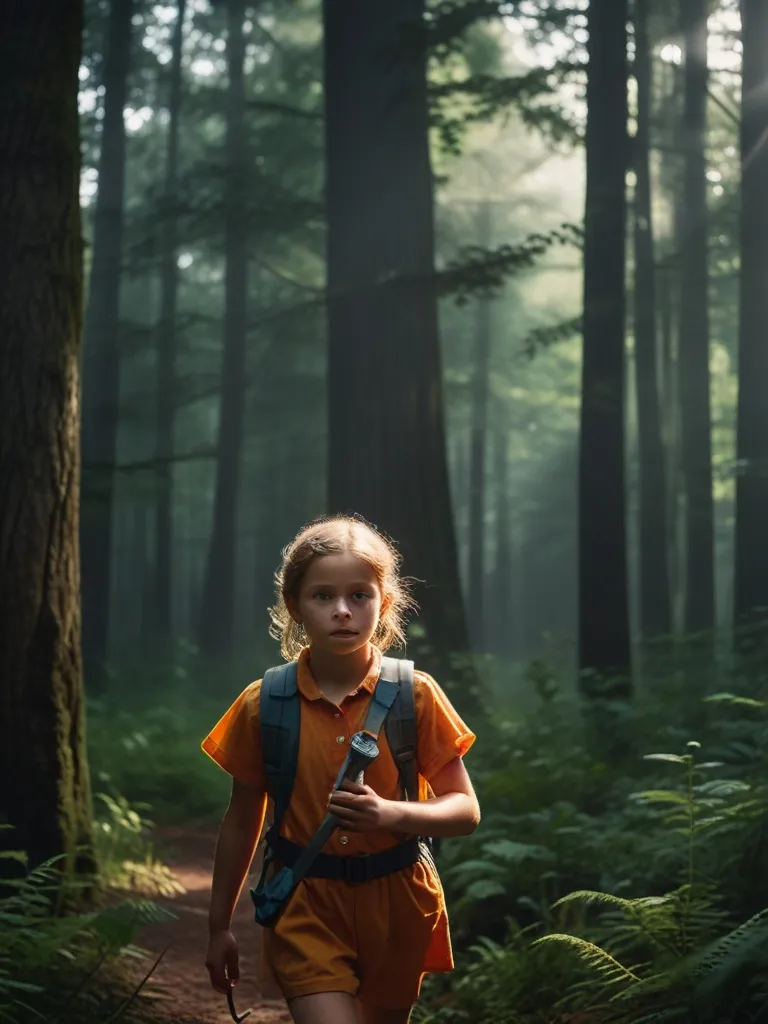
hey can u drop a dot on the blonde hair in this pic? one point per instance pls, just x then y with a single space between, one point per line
335 535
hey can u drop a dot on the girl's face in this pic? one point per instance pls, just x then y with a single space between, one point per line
339 603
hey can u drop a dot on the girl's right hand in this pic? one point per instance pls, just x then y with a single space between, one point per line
222 960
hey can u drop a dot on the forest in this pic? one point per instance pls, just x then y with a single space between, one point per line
492 274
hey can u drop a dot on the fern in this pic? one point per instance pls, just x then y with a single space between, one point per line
724 961
611 971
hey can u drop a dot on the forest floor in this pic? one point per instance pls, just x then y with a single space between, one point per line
180 990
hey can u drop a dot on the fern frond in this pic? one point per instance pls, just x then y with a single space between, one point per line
598 959
588 897
731 952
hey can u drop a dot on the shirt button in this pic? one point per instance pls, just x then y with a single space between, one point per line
341 739
343 840
337 715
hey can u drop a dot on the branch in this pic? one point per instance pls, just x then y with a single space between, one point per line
481 273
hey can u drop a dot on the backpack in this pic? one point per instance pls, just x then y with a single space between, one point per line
280 706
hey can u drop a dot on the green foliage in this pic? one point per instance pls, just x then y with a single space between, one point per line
613 893
124 849
152 755
48 960
457 104
476 271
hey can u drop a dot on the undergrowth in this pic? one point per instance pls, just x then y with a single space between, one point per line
619 893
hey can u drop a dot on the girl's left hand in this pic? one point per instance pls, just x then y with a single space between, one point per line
361 809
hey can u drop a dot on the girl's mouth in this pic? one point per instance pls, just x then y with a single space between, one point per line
344 632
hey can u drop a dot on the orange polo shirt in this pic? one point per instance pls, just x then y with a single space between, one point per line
326 729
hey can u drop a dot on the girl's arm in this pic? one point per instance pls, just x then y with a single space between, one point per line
453 812
238 835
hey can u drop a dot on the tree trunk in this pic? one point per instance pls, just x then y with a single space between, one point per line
655 613
166 351
667 281
505 630
604 643
101 364
216 626
459 494
696 443
668 118
387 456
478 448
44 785
751 582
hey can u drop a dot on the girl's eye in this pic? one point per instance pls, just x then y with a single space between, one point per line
360 594
321 596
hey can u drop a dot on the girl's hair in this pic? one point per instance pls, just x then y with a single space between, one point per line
335 535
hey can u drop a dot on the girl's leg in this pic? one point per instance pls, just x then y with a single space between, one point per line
325 1008
374 1015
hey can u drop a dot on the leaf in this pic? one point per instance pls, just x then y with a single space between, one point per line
513 852
731 698
16 855
660 796
481 868
674 758
723 787
704 823
484 888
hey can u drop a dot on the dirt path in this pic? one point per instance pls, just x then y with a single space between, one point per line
180 983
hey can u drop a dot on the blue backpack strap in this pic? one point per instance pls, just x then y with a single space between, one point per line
280 708
400 726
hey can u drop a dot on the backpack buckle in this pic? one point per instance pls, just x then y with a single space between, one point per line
354 870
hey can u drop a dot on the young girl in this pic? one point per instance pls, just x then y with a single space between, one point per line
342 953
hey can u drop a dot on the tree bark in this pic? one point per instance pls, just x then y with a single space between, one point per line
696 442
478 450
44 784
751 578
166 350
604 642
387 456
505 629
655 612
101 363
218 605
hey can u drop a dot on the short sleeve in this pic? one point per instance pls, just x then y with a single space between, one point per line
442 735
234 743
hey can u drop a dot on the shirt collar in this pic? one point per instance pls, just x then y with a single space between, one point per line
307 683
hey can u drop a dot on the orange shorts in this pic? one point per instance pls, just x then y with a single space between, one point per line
371 940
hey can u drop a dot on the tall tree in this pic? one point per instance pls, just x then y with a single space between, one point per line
478 453
218 603
505 630
386 432
44 787
655 594
695 425
101 362
751 584
166 345
604 643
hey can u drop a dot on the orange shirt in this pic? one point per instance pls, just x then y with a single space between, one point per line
326 729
